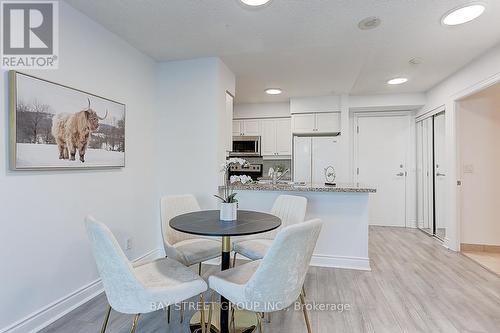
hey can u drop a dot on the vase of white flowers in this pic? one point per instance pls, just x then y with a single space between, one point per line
229 205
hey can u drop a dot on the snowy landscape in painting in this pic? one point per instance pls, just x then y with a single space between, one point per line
35 156
60 127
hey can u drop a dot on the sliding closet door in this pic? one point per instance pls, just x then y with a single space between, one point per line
439 175
431 175
425 183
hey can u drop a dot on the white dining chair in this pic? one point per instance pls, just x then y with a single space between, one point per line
291 209
274 282
138 289
186 249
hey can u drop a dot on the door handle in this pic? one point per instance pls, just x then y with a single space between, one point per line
440 174
401 174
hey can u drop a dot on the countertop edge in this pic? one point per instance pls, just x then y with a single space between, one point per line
306 188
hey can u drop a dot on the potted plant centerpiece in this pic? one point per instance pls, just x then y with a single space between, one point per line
229 205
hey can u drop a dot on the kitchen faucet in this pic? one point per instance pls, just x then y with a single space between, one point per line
276 178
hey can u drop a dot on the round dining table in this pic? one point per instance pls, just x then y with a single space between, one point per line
208 223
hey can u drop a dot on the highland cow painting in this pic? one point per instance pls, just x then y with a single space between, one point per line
57 127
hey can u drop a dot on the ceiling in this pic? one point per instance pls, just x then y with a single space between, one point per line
305 47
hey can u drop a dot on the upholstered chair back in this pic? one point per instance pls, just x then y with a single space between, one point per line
281 274
117 275
172 206
291 209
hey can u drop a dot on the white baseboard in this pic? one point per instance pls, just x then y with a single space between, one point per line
55 310
341 262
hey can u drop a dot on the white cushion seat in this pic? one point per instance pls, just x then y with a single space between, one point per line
196 250
169 281
253 249
275 282
231 282
291 209
142 288
185 248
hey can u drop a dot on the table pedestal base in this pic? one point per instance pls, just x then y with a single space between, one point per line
244 321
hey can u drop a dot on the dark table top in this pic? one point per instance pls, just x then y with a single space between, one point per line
208 223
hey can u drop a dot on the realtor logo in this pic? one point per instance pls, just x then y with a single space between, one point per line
30 34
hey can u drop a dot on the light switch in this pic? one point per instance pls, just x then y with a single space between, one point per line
468 168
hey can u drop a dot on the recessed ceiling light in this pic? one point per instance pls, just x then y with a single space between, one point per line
369 23
255 3
398 80
273 91
463 14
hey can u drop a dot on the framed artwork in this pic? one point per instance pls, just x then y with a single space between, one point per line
53 126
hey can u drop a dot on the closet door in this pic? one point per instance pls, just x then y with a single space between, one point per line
425 188
439 175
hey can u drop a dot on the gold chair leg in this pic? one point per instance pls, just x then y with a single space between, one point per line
259 321
202 314
234 259
304 291
134 323
199 269
209 323
306 316
106 319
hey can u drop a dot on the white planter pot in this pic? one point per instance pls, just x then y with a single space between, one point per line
228 211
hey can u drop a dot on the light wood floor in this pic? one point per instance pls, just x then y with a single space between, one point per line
415 286
489 260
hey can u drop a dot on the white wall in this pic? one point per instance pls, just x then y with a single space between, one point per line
262 110
479 132
45 253
477 75
191 126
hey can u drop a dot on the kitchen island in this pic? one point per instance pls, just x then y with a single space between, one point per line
343 241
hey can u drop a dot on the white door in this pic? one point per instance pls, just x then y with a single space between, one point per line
304 123
325 153
302 159
382 144
328 122
237 127
440 174
268 138
251 128
283 137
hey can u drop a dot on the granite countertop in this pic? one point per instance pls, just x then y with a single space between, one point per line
290 187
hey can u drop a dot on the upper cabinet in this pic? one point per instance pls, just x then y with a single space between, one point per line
316 123
322 104
276 137
250 127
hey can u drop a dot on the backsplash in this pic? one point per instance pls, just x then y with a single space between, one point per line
266 164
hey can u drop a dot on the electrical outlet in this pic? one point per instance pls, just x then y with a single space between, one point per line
128 244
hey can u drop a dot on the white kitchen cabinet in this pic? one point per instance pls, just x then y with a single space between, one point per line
304 123
328 122
249 127
284 137
237 127
276 137
316 123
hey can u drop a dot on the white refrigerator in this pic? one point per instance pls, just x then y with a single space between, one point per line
311 155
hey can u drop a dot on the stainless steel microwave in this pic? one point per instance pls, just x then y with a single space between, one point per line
246 146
